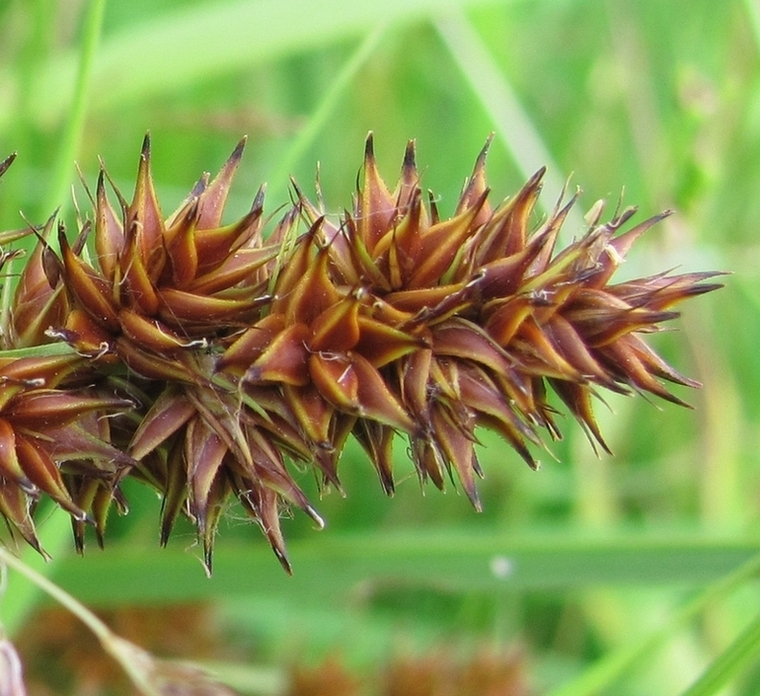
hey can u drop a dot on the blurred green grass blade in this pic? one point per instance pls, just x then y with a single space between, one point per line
616 663
753 10
740 655
72 133
20 595
182 47
331 566
319 117
513 124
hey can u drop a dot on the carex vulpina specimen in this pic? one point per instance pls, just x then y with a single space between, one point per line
242 350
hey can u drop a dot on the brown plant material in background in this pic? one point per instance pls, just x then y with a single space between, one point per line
62 656
438 672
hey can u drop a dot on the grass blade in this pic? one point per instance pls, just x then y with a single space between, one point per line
57 192
328 103
207 39
517 131
742 653
610 668
753 10
329 566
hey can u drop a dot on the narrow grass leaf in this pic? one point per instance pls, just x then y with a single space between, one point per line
72 133
319 117
332 566
198 42
615 664
518 132
741 654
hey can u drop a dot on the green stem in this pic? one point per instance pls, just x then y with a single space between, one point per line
20 598
127 655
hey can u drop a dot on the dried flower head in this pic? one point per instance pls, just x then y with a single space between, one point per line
53 442
243 351
395 320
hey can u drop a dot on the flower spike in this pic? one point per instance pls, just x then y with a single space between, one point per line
202 357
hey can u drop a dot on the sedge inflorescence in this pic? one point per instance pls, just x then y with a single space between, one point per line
202 357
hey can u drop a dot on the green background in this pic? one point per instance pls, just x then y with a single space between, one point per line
608 572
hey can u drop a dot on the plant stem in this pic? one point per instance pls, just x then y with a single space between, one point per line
122 651
21 597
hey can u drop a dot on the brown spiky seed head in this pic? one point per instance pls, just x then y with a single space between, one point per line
479 314
161 294
392 319
48 441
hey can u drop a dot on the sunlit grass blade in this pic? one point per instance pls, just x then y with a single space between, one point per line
203 40
311 129
754 15
619 662
740 655
75 120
